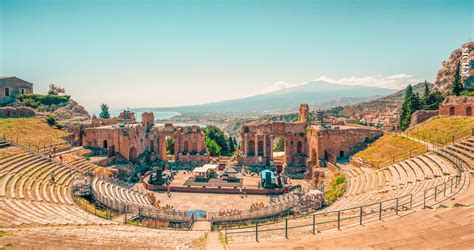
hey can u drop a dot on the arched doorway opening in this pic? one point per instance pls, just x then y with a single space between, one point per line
260 148
132 154
152 146
186 147
104 144
170 146
251 148
299 147
279 151
452 111
469 111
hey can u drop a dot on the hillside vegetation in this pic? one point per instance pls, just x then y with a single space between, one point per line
442 130
32 131
388 149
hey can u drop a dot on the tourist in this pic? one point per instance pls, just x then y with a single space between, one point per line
61 158
52 177
244 193
240 192
169 191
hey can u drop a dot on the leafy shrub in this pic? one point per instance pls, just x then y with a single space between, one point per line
44 99
336 187
30 102
51 120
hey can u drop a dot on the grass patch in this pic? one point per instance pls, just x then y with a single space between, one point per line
442 130
388 149
2 233
34 131
335 187
92 208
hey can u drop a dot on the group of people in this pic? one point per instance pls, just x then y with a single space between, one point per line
242 192
256 206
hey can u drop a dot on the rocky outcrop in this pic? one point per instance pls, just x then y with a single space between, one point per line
72 111
445 76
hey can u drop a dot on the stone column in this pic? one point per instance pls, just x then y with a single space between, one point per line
256 147
245 145
264 145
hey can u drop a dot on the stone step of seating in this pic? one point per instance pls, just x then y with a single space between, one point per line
8 166
461 151
11 157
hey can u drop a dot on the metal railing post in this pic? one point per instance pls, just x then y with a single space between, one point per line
424 199
360 219
339 219
314 224
436 191
225 233
380 211
444 191
451 185
396 206
411 201
256 231
286 228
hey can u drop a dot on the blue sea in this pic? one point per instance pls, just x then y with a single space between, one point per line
159 115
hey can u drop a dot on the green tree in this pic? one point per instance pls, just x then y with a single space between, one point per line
231 145
280 145
212 146
216 134
434 100
104 111
170 146
407 108
457 87
426 95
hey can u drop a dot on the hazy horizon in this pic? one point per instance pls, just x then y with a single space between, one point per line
174 53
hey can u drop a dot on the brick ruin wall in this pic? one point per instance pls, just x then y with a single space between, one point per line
132 141
420 116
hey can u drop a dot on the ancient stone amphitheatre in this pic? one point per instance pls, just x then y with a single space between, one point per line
236 124
254 199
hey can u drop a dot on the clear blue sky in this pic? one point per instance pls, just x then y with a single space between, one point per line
167 53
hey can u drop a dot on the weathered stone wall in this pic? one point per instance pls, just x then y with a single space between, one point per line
457 106
340 141
133 140
257 141
6 112
420 116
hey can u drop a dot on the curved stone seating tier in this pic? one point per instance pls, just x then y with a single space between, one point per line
29 197
411 176
121 194
102 237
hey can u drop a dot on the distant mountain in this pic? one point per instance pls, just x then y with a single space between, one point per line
391 102
318 94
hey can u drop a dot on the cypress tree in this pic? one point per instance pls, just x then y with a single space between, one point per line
457 86
407 108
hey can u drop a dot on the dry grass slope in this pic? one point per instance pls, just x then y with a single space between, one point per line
442 130
34 131
390 148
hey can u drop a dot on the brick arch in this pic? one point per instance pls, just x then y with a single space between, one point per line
251 148
452 111
132 154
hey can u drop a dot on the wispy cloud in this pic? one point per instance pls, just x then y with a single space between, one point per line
397 81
